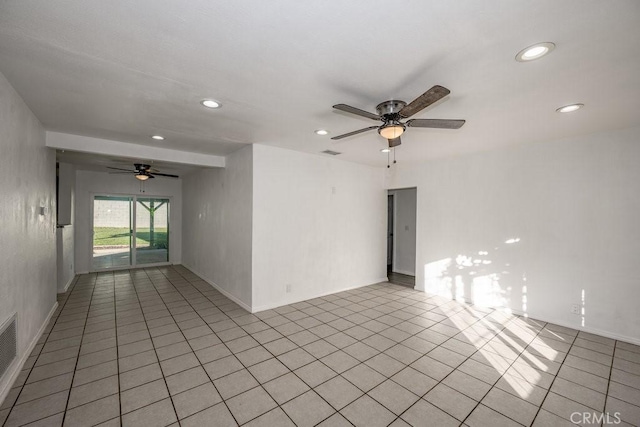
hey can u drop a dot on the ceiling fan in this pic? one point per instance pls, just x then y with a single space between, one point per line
392 112
143 172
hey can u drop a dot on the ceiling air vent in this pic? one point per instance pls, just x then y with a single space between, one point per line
333 153
7 344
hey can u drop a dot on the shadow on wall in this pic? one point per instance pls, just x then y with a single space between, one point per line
486 279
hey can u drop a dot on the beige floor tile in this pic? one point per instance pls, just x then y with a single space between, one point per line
452 402
158 414
250 404
93 391
37 409
584 378
139 376
195 400
308 409
624 393
626 411
422 410
483 416
296 358
338 392
179 364
393 396
94 373
468 385
367 412
580 394
431 367
143 395
275 417
235 383
43 388
511 406
93 413
253 355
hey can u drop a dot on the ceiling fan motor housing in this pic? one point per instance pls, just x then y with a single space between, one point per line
391 108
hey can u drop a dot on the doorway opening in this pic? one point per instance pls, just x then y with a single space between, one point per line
129 231
401 236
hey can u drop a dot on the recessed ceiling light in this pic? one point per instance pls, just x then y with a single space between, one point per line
536 51
158 137
322 132
210 103
385 150
569 108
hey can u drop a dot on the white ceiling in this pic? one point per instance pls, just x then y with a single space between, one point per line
128 69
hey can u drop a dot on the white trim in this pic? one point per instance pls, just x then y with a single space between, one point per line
133 213
224 292
66 287
308 297
18 364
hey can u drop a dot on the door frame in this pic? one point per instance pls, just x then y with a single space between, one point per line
134 199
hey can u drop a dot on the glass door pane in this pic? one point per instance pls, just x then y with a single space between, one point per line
152 230
111 232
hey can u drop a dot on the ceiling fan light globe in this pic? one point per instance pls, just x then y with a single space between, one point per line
391 131
142 177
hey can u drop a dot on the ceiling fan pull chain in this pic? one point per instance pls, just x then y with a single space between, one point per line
394 156
388 154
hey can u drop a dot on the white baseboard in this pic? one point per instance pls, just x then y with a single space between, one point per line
15 368
66 287
590 330
595 331
294 300
220 289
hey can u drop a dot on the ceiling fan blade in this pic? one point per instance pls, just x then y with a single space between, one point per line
165 174
434 94
353 110
435 123
394 142
117 173
120 169
355 132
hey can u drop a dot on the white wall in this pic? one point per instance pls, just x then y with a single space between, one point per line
404 231
89 183
217 225
65 257
27 253
319 225
65 253
574 204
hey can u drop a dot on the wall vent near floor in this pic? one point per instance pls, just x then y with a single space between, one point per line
331 152
8 344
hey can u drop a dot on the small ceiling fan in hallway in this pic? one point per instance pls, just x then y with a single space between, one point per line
392 112
143 172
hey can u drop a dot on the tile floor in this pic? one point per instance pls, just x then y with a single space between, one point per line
121 258
159 347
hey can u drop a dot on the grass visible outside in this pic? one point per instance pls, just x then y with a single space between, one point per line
112 236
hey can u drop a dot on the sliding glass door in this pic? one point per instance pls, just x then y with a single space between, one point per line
129 231
112 232
152 230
